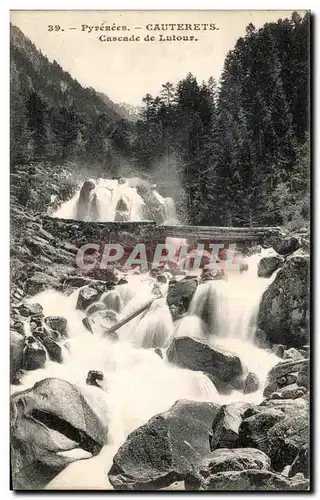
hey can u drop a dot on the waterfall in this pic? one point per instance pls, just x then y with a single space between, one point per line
138 383
108 200
228 312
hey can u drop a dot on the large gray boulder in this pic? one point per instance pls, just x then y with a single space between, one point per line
284 308
225 426
58 324
287 437
225 459
279 430
187 352
251 480
253 430
286 246
164 450
180 294
48 421
34 355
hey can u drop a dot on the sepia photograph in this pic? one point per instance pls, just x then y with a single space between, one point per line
160 234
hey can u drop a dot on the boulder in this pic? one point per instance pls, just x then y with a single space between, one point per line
164 450
53 349
293 354
17 343
292 378
86 297
58 324
286 246
93 377
268 265
283 368
284 307
279 428
253 430
250 480
187 352
49 421
225 426
286 438
251 383
180 294
18 326
34 355
31 309
225 459
291 391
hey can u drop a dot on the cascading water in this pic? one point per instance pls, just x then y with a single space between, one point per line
138 383
108 200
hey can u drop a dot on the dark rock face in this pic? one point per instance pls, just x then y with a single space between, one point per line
194 355
225 459
301 463
225 426
286 438
268 265
164 450
86 297
50 418
286 246
251 383
284 308
34 356
250 480
17 343
180 294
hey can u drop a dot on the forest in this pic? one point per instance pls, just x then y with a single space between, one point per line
233 152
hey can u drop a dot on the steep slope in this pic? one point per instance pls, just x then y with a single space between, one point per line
52 115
